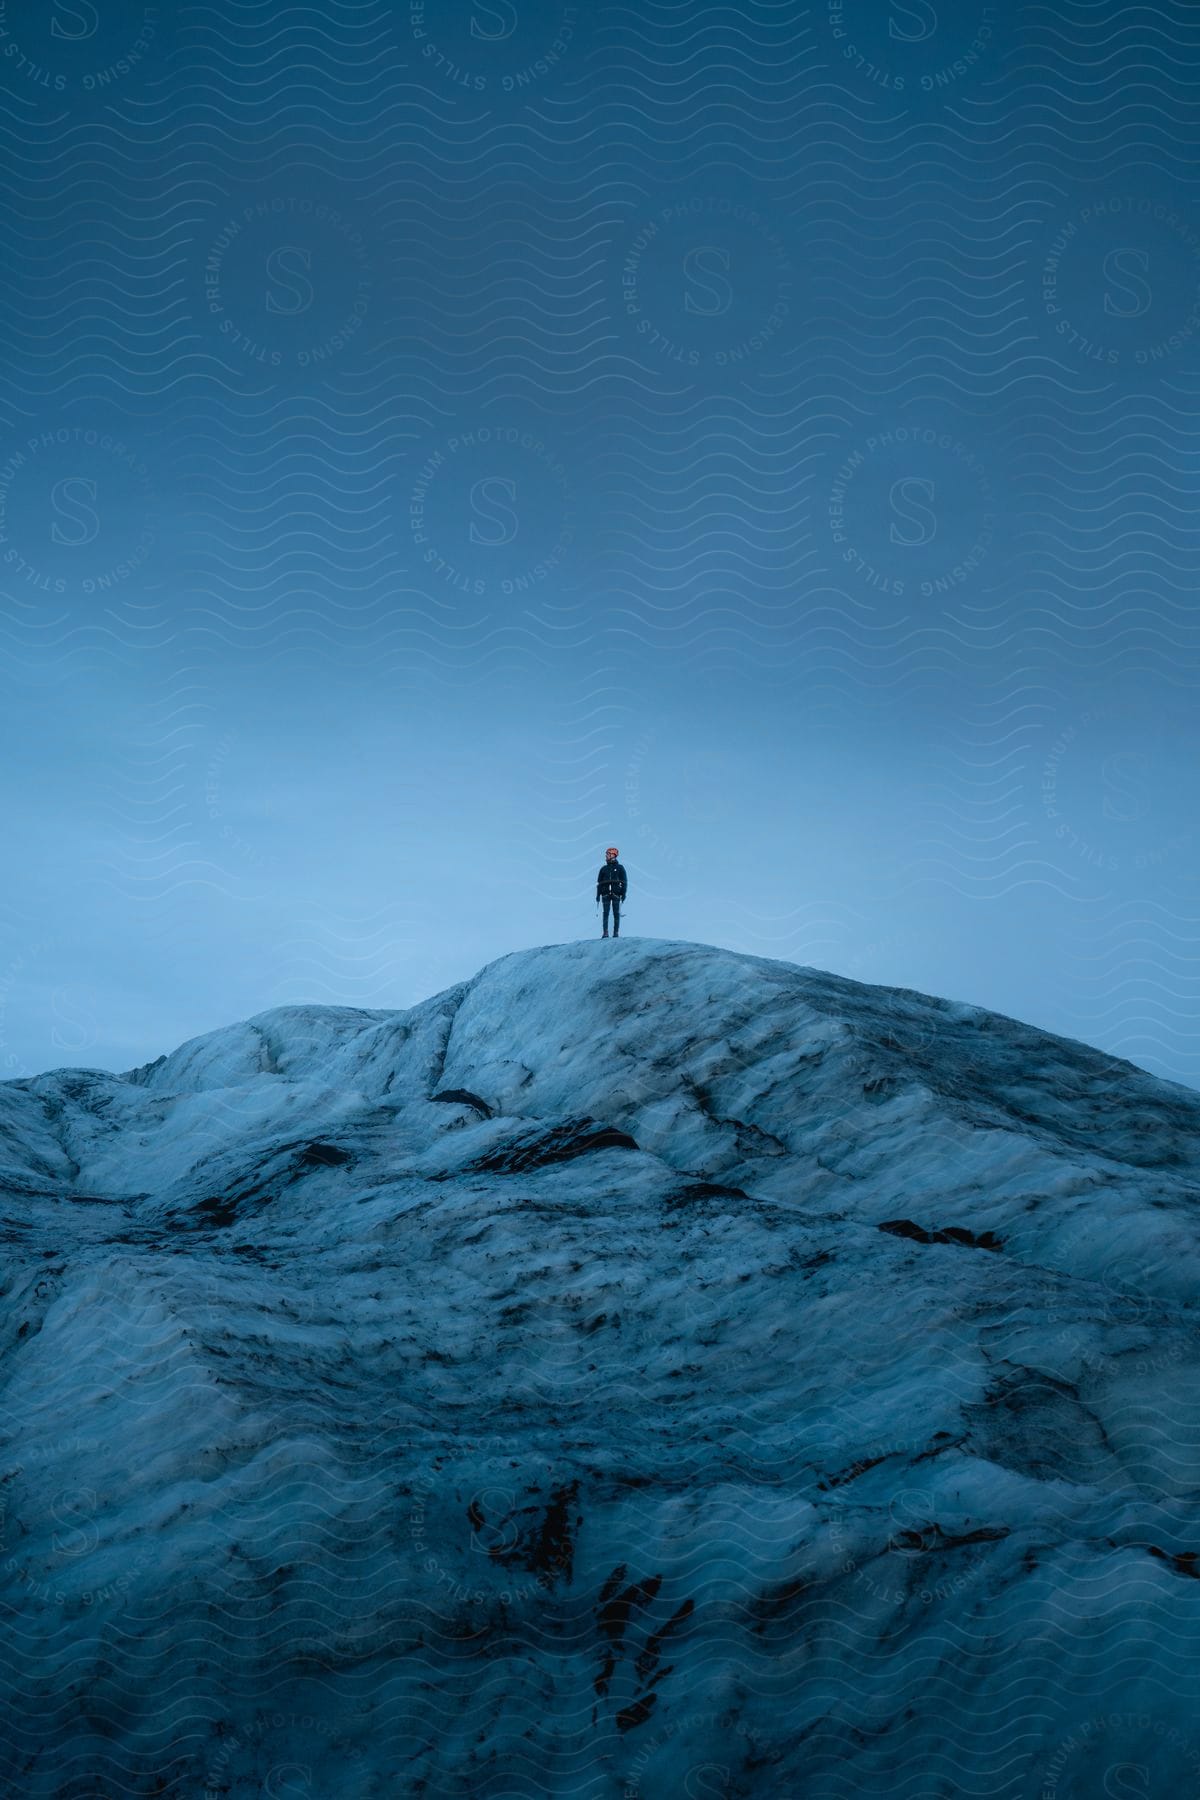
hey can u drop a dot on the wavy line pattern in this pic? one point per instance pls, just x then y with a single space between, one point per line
708 385
438 439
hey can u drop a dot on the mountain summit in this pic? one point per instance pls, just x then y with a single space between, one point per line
639 1370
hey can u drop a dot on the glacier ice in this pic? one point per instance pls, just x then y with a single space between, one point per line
639 1370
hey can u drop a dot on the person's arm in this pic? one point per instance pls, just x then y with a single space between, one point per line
624 881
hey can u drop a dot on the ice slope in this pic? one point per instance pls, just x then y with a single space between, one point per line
640 1370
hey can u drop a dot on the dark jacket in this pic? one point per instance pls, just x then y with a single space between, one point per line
611 881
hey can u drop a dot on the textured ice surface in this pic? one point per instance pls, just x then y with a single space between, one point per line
641 1370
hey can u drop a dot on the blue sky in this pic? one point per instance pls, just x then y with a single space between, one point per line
440 441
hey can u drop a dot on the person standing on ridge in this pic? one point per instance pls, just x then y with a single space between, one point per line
610 887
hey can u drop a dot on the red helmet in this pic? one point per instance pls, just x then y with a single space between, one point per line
611 851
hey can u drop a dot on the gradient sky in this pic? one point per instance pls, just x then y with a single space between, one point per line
440 439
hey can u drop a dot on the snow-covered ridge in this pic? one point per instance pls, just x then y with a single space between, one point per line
805 1086
638 1361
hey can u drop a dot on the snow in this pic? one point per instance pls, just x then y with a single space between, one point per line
358 1443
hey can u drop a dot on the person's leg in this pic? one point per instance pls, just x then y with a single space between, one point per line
616 917
606 903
